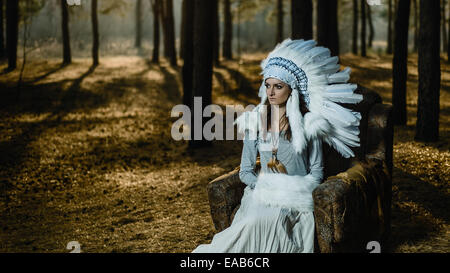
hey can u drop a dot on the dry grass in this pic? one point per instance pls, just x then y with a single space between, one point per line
87 156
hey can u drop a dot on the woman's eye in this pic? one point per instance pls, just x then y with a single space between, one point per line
279 86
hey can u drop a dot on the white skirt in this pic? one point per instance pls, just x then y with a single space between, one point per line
275 217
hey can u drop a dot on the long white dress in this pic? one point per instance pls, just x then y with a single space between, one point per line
276 212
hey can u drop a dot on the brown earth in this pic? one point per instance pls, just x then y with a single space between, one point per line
87 156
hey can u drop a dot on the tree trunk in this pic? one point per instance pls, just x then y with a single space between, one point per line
95 38
448 44
416 26
444 28
394 12
355 28
427 127
228 31
138 38
327 25
2 34
363 29
400 61
188 45
169 32
238 34
280 20
182 28
156 7
12 32
203 64
67 56
389 38
216 33
301 19
371 27
164 28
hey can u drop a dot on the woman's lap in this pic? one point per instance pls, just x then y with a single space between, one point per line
259 228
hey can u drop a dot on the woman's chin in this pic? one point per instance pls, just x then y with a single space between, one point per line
276 103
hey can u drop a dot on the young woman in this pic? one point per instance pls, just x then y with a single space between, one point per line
297 113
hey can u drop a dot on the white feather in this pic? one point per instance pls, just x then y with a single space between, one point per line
316 126
340 147
344 98
340 77
341 87
296 122
338 113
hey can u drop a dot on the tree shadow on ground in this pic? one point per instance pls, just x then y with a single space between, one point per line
171 86
15 148
53 70
56 101
232 93
156 152
246 90
409 131
408 224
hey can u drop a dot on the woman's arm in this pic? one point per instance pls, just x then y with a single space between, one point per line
248 161
316 159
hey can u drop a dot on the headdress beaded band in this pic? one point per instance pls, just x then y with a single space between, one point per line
314 73
294 70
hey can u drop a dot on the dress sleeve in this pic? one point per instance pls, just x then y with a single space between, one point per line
248 161
316 159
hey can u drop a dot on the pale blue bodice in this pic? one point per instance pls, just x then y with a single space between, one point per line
307 162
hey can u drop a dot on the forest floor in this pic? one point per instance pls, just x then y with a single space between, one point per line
87 156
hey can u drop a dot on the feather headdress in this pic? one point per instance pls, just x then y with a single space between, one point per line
314 75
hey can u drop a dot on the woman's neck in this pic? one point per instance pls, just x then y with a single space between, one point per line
278 112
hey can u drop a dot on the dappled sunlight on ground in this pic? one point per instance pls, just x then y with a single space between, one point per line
88 157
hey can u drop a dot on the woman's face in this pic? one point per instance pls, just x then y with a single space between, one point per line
277 91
